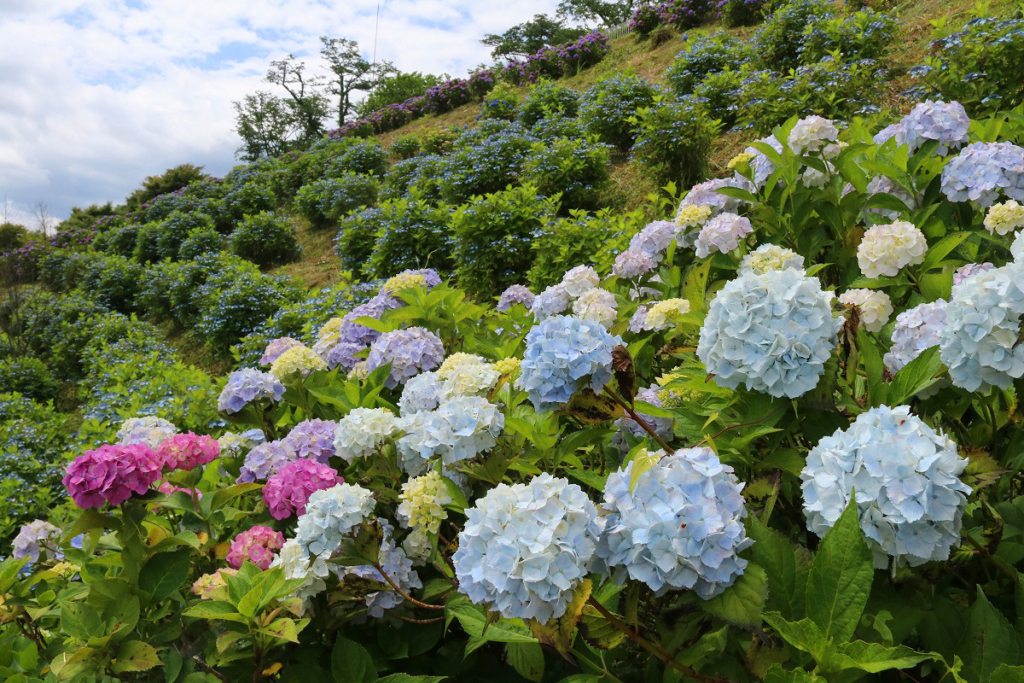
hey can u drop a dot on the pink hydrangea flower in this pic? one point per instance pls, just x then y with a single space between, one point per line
111 474
288 490
167 488
258 545
188 451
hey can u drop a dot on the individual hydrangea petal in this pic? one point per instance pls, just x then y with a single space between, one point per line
905 474
722 233
526 547
331 514
422 501
263 461
1004 218
311 439
552 301
632 264
565 354
188 451
459 429
516 294
297 361
578 280
398 568
111 474
887 248
596 304
246 386
257 545
276 347
874 306
363 431
772 332
148 431
38 536
917 329
421 393
664 314
681 527
288 490
770 257
983 170
963 272
983 325
409 351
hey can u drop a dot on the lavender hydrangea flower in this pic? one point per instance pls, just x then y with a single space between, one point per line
565 354
551 301
360 335
149 431
311 439
1017 248
632 264
246 386
982 170
707 193
910 499
344 355
263 461
917 329
526 547
276 347
638 321
722 233
654 239
772 332
420 394
516 294
409 351
946 122
34 538
680 527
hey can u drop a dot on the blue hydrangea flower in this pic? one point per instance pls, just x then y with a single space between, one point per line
681 527
331 514
917 329
311 440
661 425
526 547
552 301
563 355
772 331
399 569
946 122
247 385
516 294
982 170
148 430
353 333
460 428
409 351
909 498
982 326
263 461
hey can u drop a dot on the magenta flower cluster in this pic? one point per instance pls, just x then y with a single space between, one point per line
258 545
288 491
111 474
187 451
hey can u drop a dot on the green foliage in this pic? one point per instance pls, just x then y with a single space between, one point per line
548 100
29 377
674 141
564 243
530 36
405 147
606 109
324 202
114 281
575 170
265 239
12 236
201 242
397 88
171 180
410 233
501 103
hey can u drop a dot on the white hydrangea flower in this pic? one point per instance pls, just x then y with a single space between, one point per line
552 301
596 304
331 515
422 392
983 325
664 314
874 305
422 502
459 429
579 280
470 379
149 431
811 135
887 248
905 476
761 166
296 563
362 431
722 233
770 257
458 360
681 527
1004 218
38 536
917 329
526 547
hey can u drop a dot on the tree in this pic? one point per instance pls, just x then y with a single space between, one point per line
350 72
266 125
309 106
44 220
597 11
12 236
529 37
170 180
397 89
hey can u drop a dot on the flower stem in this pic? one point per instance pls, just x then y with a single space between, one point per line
401 592
640 421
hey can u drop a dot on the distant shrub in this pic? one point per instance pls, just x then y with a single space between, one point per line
232 302
447 96
424 183
246 200
720 92
199 242
488 166
411 233
576 168
558 127
742 12
12 236
171 180
674 141
501 103
684 14
438 140
62 269
494 236
120 241
703 56
114 281
324 202
29 376
645 19
779 41
863 35
605 109
288 173
400 176
564 243
363 157
405 147
265 239
582 53
547 100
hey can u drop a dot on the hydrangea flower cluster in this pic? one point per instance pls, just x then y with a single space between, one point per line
681 527
552 301
288 489
456 362
874 306
653 240
1005 217
421 393
418 547
689 219
982 170
212 586
507 367
917 329
399 569
707 194
257 545
360 335
578 280
459 429
516 294
188 451
246 386
331 515
983 324
946 122
148 431
772 332
741 159
632 264
770 257
638 321
887 248
596 304
276 347
961 274
422 502
722 233
761 166
362 431
909 498
475 378
565 354
296 563
526 547
297 361
1017 248
36 537
661 425
409 351
168 489
405 280
664 314
311 439
232 445
111 474
812 135
263 461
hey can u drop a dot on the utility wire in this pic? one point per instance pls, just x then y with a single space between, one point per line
376 27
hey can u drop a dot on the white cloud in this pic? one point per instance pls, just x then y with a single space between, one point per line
97 94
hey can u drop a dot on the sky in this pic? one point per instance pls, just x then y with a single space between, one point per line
97 94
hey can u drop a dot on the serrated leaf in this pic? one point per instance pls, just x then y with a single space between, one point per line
840 578
598 631
215 609
874 657
225 496
915 376
409 678
135 655
741 604
351 663
1007 674
941 249
164 573
989 641
472 619
527 659
804 634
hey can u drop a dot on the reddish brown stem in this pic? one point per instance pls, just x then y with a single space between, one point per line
401 592
640 421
